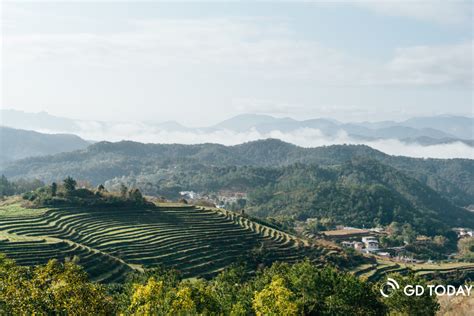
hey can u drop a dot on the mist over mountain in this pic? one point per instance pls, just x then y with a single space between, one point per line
17 144
430 127
41 121
435 137
458 126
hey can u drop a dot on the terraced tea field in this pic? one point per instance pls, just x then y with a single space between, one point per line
376 271
110 242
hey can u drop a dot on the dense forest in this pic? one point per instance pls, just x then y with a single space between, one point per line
451 178
360 192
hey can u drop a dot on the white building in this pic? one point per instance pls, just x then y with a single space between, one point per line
463 232
371 243
189 194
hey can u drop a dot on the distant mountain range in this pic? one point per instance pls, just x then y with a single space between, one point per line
421 130
16 144
439 128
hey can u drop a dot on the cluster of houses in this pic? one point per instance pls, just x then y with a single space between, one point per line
220 199
362 240
463 232
229 197
369 244
190 195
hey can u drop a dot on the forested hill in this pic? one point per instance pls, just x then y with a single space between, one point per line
451 178
17 143
360 192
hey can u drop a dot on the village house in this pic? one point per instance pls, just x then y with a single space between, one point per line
371 243
189 195
368 244
463 232
358 246
348 244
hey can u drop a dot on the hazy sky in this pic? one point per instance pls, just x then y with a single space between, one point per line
199 63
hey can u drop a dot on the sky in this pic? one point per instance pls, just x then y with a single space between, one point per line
202 62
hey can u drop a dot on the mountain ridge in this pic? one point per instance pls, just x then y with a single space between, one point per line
437 129
452 178
17 144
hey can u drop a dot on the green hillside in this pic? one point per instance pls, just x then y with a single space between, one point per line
451 178
109 242
361 192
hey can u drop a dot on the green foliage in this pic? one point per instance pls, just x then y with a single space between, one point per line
53 289
8 188
135 195
282 289
275 299
123 190
67 194
324 291
435 247
150 299
69 184
54 189
466 248
359 193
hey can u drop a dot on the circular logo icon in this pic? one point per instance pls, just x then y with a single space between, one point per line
389 287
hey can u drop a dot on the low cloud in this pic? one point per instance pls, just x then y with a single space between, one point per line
304 137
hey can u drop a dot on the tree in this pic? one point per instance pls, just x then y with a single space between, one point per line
324 291
183 303
149 299
6 187
408 233
52 289
229 293
69 184
54 189
440 240
136 196
123 190
466 248
275 299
